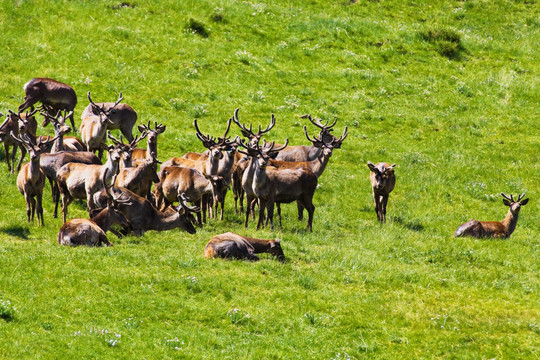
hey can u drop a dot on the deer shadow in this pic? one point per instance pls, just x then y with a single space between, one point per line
16 231
414 225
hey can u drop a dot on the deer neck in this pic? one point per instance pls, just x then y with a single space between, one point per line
34 168
167 221
319 164
510 222
58 144
103 220
314 153
151 148
260 178
112 169
213 165
259 245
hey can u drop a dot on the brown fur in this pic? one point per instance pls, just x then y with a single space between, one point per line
383 181
231 245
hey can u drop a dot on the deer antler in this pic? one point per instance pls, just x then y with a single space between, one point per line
115 140
337 142
208 141
325 127
182 199
318 142
511 198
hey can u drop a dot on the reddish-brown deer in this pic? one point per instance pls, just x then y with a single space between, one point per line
383 181
53 95
234 246
31 178
151 151
495 229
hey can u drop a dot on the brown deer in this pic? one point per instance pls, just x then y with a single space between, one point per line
93 232
94 127
81 181
234 246
127 149
176 180
139 179
139 155
121 116
11 125
495 229
383 181
53 95
143 216
63 143
271 185
31 178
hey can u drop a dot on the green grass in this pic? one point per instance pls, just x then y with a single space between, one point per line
448 90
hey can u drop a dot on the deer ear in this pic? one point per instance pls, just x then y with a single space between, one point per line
141 128
161 129
524 202
506 202
371 166
392 166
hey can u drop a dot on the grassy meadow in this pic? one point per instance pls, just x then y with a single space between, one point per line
448 90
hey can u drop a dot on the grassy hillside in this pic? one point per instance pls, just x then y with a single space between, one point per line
448 90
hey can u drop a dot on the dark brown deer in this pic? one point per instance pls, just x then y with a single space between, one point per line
151 151
121 116
11 125
234 246
143 216
94 127
93 232
271 185
383 181
53 94
495 229
31 178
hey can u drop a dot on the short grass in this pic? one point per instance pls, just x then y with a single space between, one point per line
448 90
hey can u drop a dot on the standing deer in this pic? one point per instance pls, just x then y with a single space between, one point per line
63 143
92 232
53 95
271 185
11 125
151 143
81 181
234 246
31 178
383 181
121 116
94 127
495 229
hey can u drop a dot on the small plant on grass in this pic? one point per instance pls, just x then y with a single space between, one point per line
447 42
197 27
238 317
7 310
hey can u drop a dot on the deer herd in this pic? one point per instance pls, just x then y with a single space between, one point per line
128 190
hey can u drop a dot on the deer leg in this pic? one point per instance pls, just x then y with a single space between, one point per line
202 205
23 154
6 149
278 206
307 203
127 133
39 208
241 196
13 152
384 201
262 205
300 208
72 121
270 213
249 201
28 201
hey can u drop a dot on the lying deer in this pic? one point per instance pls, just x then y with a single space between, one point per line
383 181
231 245
93 232
31 178
495 229
53 95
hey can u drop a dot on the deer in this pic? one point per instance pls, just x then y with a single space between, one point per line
139 179
495 229
52 94
139 155
383 181
92 232
127 149
271 185
11 125
176 180
234 246
31 179
94 127
143 216
121 116
63 143
81 181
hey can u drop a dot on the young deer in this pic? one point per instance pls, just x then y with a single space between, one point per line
495 229
231 245
92 232
383 181
31 178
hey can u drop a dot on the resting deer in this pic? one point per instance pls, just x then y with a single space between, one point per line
176 180
231 245
383 181
94 127
53 95
495 229
81 181
121 116
93 232
31 178
151 151
143 216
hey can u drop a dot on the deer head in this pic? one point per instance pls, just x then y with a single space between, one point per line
248 133
382 174
152 134
35 149
515 205
104 113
